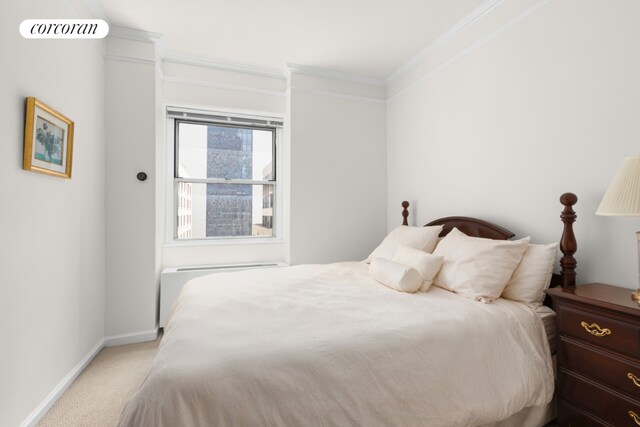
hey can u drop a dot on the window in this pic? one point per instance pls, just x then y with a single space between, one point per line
224 175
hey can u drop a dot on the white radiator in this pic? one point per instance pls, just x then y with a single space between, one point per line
174 278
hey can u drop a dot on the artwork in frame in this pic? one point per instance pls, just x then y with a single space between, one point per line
48 140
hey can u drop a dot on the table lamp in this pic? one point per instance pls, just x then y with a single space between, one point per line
623 199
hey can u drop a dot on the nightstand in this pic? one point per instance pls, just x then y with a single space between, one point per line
598 356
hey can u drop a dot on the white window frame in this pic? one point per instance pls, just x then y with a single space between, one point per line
170 188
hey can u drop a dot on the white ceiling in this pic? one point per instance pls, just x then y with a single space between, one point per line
369 38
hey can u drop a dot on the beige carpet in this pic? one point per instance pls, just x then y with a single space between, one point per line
98 395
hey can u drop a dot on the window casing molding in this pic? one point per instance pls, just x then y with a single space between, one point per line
231 119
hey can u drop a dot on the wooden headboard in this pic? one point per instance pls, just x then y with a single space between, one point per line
478 228
472 227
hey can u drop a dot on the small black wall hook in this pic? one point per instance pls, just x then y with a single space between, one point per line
141 176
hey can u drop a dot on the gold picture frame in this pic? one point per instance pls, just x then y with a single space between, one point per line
48 140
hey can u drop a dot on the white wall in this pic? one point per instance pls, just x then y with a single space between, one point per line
52 268
338 170
333 162
534 100
131 257
333 168
194 86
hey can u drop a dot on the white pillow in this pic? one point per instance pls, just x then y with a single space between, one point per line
394 275
531 277
424 263
477 268
423 238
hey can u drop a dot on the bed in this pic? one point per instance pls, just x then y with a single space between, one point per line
326 345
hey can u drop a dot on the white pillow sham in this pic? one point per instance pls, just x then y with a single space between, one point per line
428 265
531 278
394 275
423 238
477 268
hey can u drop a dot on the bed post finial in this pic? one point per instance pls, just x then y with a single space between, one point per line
568 244
405 212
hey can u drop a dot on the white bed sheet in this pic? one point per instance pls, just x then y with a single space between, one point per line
324 345
548 317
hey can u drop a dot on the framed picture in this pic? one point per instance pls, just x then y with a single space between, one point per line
48 140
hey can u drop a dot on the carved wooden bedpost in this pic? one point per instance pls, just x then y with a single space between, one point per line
568 244
405 212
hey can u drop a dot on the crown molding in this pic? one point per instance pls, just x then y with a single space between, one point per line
336 94
135 60
223 65
480 42
444 39
333 75
93 6
134 34
223 86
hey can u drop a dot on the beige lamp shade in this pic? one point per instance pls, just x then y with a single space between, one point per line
623 196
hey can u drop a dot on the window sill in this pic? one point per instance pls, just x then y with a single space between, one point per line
224 242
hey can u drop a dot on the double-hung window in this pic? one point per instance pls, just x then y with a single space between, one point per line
224 175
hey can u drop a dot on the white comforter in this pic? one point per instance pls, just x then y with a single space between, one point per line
324 345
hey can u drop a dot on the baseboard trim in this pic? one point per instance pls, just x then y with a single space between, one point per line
62 386
47 403
132 338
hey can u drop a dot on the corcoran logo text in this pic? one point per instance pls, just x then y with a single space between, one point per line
64 29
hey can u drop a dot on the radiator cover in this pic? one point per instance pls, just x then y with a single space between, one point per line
174 278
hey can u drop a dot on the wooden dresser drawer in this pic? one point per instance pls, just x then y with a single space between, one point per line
598 356
612 370
570 416
603 403
600 331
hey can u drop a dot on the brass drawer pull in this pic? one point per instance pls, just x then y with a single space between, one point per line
595 330
635 417
635 380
